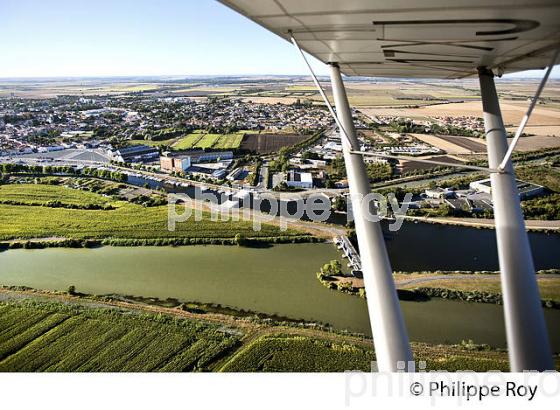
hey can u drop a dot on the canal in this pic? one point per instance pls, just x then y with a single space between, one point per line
276 280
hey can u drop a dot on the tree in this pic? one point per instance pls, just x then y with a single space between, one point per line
240 240
339 203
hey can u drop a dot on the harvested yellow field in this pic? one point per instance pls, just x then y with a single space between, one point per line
537 142
271 100
390 112
512 113
454 145
544 121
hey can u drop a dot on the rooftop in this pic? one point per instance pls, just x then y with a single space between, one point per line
136 149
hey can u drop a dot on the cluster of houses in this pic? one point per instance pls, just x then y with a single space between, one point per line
474 124
237 114
29 125
468 122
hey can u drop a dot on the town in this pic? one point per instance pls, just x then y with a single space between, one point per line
255 147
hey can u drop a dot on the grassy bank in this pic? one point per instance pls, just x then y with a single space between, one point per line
474 286
76 214
468 286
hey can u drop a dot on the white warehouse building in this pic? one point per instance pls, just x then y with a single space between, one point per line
300 179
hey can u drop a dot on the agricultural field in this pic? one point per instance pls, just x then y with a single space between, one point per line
208 141
283 353
123 220
201 140
544 123
59 338
36 194
268 143
455 145
52 333
54 88
537 142
151 143
411 165
229 141
188 141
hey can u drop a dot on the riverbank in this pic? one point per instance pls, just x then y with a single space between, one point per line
44 243
229 343
530 224
63 214
469 286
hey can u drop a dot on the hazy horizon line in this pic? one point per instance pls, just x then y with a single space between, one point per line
512 76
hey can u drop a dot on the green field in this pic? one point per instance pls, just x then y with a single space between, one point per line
229 141
188 141
202 140
54 337
124 220
284 353
208 141
32 194
41 335
153 143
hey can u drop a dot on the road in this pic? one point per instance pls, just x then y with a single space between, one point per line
530 224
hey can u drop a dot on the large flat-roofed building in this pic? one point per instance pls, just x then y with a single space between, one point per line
525 189
136 153
300 179
181 162
174 163
202 156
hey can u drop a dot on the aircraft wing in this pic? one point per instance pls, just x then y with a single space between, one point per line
415 38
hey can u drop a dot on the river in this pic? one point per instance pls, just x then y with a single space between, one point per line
276 280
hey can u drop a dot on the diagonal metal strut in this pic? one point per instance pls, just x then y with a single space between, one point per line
353 146
346 139
392 348
427 161
527 115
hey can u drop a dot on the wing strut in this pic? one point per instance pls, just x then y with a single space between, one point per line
525 119
527 337
392 348
426 161
355 145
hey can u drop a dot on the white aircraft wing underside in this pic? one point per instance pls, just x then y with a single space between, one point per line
415 38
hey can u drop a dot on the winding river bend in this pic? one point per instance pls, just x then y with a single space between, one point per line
281 279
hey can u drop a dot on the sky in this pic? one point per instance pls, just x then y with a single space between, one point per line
80 38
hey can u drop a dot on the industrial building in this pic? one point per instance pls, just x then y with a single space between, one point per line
525 189
170 162
438 193
136 153
298 179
